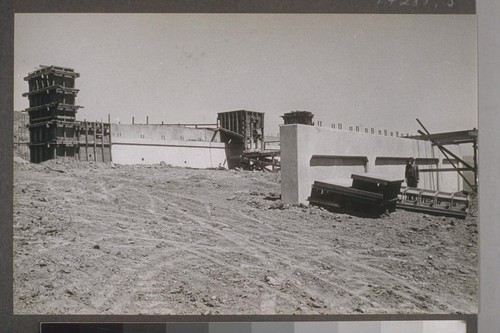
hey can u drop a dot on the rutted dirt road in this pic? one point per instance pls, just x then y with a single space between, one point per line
96 238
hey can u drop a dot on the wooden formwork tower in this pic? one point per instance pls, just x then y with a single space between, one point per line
244 126
243 133
52 113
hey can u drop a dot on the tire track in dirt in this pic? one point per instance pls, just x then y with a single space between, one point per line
160 227
414 295
260 251
239 242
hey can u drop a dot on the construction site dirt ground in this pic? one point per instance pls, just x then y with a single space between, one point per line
95 238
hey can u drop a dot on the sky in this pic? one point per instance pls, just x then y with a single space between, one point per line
380 71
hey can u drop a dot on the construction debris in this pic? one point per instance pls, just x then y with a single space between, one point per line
434 202
368 195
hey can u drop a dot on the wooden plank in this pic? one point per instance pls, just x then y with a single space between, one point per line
348 190
445 169
374 179
432 210
323 202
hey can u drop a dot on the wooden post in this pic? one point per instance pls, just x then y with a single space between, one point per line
64 139
437 177
102 140
262 144
86 141
251 133
77 129
444 151
474 146
109 143
95 140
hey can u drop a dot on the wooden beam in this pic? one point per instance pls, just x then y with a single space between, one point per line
445 169
348 191
443 150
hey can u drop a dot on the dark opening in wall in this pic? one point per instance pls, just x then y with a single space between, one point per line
337 160
426 161
381 160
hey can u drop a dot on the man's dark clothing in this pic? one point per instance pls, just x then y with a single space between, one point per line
411 175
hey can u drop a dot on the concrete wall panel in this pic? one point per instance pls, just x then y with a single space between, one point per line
175 145
311 154
289 164
143 132
175 153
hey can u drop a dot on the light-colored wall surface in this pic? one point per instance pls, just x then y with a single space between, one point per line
175 145
124 132
310 153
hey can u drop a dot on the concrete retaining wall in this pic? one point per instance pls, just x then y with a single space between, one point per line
311 153
175 145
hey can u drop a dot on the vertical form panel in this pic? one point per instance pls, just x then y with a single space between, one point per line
238 125
235 124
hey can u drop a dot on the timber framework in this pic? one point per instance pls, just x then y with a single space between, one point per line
53 129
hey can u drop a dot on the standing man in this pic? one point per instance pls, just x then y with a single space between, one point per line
411 173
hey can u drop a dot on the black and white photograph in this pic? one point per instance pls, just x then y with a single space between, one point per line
245 164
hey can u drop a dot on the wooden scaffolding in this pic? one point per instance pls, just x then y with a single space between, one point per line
53 129
243 133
